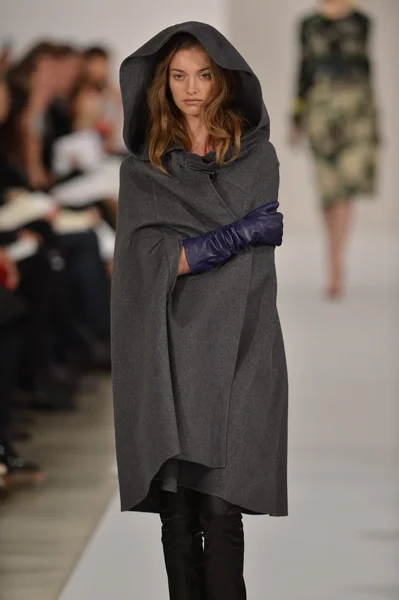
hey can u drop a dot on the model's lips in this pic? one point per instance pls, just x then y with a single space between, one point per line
192 101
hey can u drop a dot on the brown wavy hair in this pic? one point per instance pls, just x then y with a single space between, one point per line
166 124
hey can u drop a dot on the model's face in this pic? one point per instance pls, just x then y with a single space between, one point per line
190 80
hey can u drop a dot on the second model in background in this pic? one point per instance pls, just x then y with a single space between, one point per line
335 107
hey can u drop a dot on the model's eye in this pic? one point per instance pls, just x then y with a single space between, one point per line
206 76
178 76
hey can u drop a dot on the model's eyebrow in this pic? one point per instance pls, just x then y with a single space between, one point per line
199 70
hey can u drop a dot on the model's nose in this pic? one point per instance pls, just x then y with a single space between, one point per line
192 86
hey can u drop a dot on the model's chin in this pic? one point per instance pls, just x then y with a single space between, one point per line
190 111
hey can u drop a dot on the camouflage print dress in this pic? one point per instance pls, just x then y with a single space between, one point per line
335 104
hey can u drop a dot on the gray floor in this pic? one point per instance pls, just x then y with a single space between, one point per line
341 540
44 529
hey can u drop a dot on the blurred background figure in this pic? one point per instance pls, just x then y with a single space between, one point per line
54 263
13 326
5 54
335 108
97 102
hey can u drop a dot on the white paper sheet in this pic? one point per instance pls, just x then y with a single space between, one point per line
82 150
25 208
92 186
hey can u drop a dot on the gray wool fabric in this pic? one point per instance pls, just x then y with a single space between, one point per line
199 370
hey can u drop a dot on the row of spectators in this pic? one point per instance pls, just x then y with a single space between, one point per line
60 150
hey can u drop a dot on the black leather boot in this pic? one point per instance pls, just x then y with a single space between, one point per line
182 545
223 531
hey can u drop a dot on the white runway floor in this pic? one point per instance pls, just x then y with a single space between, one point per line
341 540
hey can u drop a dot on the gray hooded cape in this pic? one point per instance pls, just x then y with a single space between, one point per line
199 371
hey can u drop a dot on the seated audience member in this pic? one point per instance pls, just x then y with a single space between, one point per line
54 299
97 103
12 324
6 48
74 266
50 74
33 82
58 119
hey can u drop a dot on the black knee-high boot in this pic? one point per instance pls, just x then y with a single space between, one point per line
182 545
223 531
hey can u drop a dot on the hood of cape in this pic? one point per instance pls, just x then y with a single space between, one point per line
137 71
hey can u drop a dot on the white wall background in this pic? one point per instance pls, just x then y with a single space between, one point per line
264 31
124 25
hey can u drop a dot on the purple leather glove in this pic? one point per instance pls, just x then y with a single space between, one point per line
261 226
